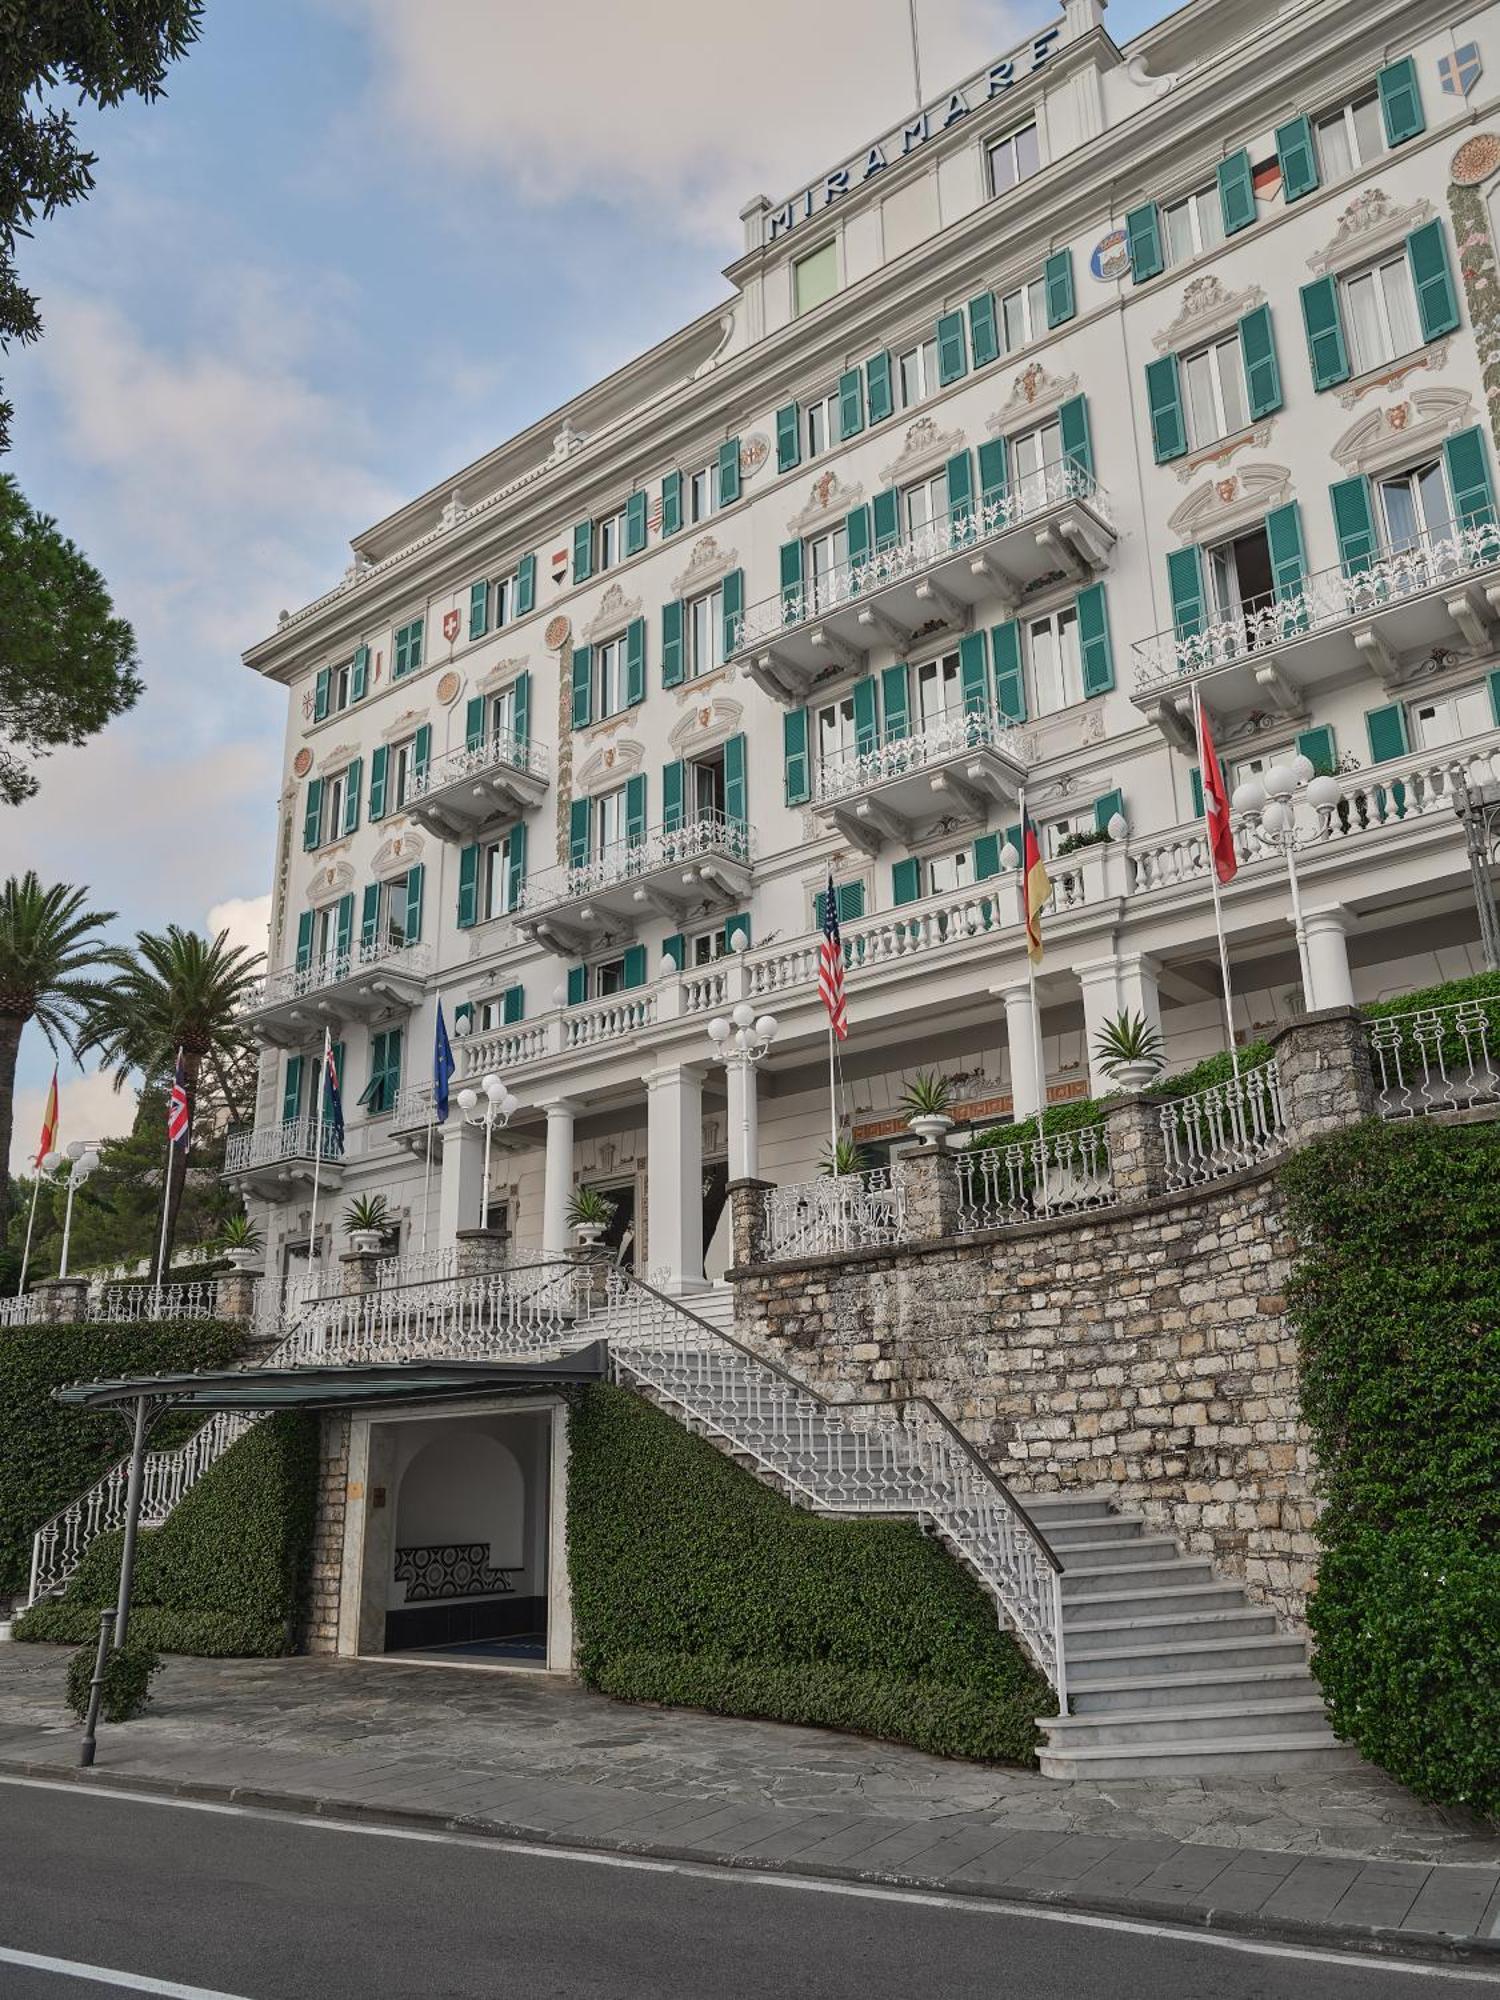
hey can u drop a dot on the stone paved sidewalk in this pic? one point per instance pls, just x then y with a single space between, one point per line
1348 1854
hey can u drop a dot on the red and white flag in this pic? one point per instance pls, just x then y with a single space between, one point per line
48 1142
831 965
1215 803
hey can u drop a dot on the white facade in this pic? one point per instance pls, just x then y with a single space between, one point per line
645 760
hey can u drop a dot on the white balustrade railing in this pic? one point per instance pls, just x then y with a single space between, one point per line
501 1049
955 734
835 1212
1223 1129
417 1267
1443 1058
502 748
522 1310
662 847
22 1311
1326 599
411 961
197 1298
705 989
1059 1174
607 1020
292 1139
911 555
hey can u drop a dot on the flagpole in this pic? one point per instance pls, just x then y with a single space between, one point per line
36 1188
1036 1018
1213 882
427 1187
312 1238
166 1203
833 1096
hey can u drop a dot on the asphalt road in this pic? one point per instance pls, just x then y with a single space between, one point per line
132 1896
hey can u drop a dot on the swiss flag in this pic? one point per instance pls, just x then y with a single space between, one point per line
1215 803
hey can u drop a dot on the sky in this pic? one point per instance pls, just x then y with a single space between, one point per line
357 244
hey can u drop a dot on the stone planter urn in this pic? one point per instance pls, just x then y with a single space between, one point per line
242 1260
588 1234
367 1242
931 1127
1134 1075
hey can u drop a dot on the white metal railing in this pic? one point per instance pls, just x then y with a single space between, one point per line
292 1139
1058 1174
500 747
910 555
412 961
662 847
835 1212
1327 598
417 1267
1223 1129
197 1298
1436 1058
414 1106
527 1308
954 734
22 1311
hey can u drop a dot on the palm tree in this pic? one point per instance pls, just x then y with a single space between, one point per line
50 952
179 990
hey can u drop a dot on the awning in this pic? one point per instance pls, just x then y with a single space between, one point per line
340 1387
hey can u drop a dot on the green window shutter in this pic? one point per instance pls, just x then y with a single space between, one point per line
583 551
635 809
1354 524
866 722
736 796
583 686
788 437
987 857
1468 465
526 586
1164 399
857 534
1195 786
468 887
1400 102
1143 241
1437 301
673 781
304 940
1106 808
675 948
729 472
320 695
994 471
893 702
369 1098
578 985
1077 440
474 722
479 610
414 880
1236 193
344 925
1258 353
359 674
984 335
513 1005
1093 640
421 750
515 865
850 898
851 403
291 1090
733 588
1494 684
736 926
1185 585
974 672
1386 728
1317 746
1288 558
886 508
798 775
635 523
1062 303
791 579
671 503
953 359
634 971
521 708
580 822
1326 347
379 759
673 666
1010 682
353 783
960 476
1299 163
635 662
879 395
906 880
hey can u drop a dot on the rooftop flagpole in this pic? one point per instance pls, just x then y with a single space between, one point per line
916 51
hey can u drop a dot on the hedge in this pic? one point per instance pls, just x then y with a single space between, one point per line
694 1584
226 1572
51 1452
1396 1304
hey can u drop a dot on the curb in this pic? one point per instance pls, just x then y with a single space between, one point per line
1373 1940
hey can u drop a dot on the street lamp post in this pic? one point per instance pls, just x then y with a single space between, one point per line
80 1160
499 1105
1273 800
740 1041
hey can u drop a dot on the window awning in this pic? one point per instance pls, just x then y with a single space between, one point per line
340 1388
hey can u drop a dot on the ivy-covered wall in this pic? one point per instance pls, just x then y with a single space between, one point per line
693 1584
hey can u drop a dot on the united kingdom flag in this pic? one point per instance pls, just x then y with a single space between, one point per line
179 1112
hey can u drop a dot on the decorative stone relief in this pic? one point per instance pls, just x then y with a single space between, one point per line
608 765
754 451
925 449
501 674
1371 223
706 724
829 500
402 725
566 443
1256 439
1355 391
394 856
1033 393
559 631
1221 506
331 880
715 677
1476 159
1387 437
302 763
615 612
447 688
1207 308
336 758
706 564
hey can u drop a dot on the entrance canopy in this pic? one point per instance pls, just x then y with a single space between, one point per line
339 1388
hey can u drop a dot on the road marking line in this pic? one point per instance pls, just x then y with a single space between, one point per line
724 1872
103 1975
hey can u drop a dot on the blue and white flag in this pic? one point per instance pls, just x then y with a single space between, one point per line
442 1067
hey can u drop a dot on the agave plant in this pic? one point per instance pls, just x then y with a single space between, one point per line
1128 1041
843 1157
928 1095
367 1211
240 1233
590 1208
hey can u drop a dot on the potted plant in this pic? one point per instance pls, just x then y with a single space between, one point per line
926 1101
368 1221
844 1157
241 1242
1129 1050
590 1213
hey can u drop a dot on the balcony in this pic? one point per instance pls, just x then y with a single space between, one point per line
952 769
472 792
368 980
1274 652
276 1160
696 869
1055 520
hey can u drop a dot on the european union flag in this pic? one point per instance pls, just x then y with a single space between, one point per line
442 1067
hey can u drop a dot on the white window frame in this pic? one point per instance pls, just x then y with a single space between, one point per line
699 772
942 672
705 610
505 598
1475 696
494 873
1221 559
335 787
932 495
700 493
1346 116
325 934
610 677
1062 626
609 540
340 688
610 812
1202 237
1030 302
701 948
1428 533
1225 352
821 412
1031 456
822 557
611 970
389 936
500 712
1009 147
835 730
924 356
1390 263
400 760
956 866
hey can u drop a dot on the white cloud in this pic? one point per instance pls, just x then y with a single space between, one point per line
89 1106
685 108
246 918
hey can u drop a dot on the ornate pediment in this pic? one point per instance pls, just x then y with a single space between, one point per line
501 674
705 566
336 758
615 612
1417 424
394 856
1256 438
1033 395
828 502
403 725
1371 223
1222 507
331 880
609 765
709 722
925 449
1208 308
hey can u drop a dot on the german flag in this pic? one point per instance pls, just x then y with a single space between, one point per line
1036 886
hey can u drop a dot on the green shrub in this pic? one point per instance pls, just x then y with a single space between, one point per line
49 1452
225 1574
695 1584
124 1688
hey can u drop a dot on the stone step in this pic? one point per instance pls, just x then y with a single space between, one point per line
1248 1757
1064 1506
1180 1692
1067 1533
1137 1657
1113 1579
1141 1549
1170 1629
1133 1607
1300 1715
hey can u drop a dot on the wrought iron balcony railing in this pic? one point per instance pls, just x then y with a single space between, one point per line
950 735
659 849
500 747
412 961
292 1139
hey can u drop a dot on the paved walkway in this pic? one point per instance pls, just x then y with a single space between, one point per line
1348 1854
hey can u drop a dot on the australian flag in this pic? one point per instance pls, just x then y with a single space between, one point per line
179 1112
442 1067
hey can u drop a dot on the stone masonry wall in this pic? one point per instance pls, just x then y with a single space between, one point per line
322 1634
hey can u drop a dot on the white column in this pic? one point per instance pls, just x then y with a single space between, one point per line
744 1122
1328 956
1021 1031
460 1179
1124 984
674 1176
557 1188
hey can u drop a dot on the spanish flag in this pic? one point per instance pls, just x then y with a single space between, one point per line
1036 886
49 1123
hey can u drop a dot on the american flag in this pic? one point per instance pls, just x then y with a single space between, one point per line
831 965
178 1117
